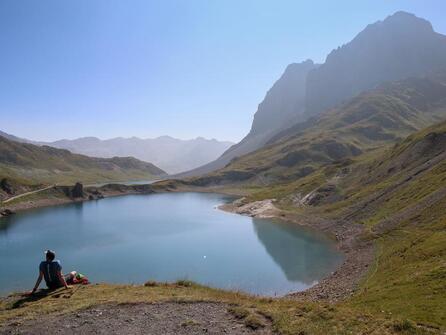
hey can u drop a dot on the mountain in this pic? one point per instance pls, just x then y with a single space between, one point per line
170 154
43 164
398 197
13 138
399 47
366 122
283 105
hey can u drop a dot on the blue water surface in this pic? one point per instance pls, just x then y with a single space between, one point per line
165 237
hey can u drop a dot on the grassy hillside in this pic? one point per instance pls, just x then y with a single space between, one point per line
31 164
399 196
367 122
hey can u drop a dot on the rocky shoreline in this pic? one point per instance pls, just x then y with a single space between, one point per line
359 253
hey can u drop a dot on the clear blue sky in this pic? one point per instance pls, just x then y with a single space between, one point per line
185 68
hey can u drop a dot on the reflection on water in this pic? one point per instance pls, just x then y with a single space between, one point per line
295 250
164 237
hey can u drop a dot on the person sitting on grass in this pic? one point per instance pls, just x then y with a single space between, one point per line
51 271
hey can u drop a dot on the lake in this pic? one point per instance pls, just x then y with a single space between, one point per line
165 237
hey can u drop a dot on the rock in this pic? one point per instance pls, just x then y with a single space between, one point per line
7 212
324 194
77 191
6 186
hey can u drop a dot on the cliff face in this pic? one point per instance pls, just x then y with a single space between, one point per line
282 106
285 101
398 47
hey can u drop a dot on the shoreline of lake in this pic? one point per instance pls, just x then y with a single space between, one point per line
339 285
359 254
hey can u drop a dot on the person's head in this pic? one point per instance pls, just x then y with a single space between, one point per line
50 255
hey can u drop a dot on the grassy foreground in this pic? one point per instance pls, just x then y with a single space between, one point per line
286 315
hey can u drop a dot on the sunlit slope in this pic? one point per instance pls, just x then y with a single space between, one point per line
401 198
35 164
399 195
371 120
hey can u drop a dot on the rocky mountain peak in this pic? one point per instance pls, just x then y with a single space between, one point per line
400 46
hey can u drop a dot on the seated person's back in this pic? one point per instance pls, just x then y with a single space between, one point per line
50 270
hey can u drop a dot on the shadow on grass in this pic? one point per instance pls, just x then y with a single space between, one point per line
41 294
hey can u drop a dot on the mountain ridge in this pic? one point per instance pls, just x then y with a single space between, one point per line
372 119
398 47
171 154
265 123
31 163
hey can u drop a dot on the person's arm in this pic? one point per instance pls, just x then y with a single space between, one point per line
62 279
39 279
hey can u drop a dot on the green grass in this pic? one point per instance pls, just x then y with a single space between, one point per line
409 277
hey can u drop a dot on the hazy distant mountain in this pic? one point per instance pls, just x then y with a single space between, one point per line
398 47
36 164
13 138
170 154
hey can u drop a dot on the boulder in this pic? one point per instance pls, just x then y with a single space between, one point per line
6 186
77 191
6 212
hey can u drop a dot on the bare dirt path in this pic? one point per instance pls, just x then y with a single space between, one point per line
27 193
142 318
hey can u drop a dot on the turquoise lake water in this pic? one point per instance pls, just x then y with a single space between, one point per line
165 237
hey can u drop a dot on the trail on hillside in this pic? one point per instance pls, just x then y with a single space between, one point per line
28 193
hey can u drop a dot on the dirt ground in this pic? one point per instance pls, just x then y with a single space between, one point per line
159 318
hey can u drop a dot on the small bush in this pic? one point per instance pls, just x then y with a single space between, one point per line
238 312
405 326
266 315
254 322
151 283
185 283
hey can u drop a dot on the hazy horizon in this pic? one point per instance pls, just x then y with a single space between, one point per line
147 69
121 137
